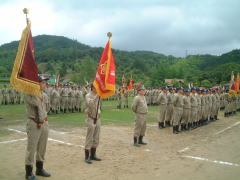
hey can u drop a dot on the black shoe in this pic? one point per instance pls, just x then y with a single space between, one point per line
135 142
182 127
87 157
175 131
161 125
29 175
93 155
140 141
40 171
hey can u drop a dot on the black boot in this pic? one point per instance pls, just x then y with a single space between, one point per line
161 125
135 142
29 175
140 140
40 171
182 127
175 130
93 155
87 157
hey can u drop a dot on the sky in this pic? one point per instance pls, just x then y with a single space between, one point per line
170 27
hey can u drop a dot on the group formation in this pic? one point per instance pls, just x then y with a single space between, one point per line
62 99
187 109
10 96
65 98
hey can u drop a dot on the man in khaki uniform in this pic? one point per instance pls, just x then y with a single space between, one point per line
93 125
64 96
162 101
194 108
37 132
139 107
126 94
5 95
78 97
55 96
178 109
186 110
169 113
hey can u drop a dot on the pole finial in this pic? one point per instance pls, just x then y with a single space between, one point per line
109 34
26 12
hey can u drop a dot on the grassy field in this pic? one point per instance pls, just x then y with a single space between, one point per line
15 114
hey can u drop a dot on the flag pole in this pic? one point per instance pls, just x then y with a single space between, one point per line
109 34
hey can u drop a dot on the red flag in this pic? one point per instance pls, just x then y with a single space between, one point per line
130 86
235 85
238 82
105 76
24 76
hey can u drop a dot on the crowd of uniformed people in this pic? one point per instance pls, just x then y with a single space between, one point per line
187 109
184 109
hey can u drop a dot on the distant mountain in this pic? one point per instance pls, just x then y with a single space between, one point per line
77 61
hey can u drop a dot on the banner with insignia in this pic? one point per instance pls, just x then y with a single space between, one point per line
105 76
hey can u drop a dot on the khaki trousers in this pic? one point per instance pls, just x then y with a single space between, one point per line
177 116
186 116
194 114
93 132
162 112
169 113
36 142
140 125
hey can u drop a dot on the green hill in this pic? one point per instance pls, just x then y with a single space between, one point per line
74 60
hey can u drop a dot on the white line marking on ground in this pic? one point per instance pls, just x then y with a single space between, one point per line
237 123
148 150
212 161
62 142
16 131
152 125
183 150
11 141
50 139
59 132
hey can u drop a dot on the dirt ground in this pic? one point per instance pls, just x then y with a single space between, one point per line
211 152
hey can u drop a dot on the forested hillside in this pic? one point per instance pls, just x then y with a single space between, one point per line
78 62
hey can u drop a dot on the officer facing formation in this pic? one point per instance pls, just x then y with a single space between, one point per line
139 107
37 132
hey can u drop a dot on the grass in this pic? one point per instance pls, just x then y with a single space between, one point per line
13 114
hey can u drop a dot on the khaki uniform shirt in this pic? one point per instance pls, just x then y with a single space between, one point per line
91 105
139 105
36 106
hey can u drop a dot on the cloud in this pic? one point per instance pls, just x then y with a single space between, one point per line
167 27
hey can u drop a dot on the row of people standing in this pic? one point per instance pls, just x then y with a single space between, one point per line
65 99
187 109
9 95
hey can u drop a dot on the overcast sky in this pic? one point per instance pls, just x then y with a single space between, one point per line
165 26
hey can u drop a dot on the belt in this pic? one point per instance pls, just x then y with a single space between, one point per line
94 119
39 124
